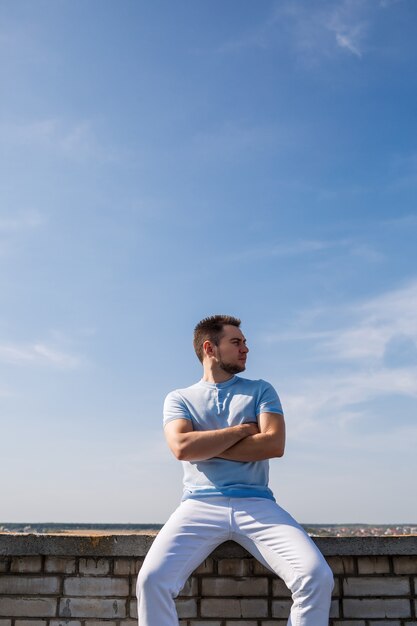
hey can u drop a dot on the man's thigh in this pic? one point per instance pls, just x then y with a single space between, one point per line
194 530
274 537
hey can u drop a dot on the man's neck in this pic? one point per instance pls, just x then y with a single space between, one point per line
216 375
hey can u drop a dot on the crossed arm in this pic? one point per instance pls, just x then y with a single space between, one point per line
245 442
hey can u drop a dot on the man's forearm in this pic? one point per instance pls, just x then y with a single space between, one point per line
203 445
255 448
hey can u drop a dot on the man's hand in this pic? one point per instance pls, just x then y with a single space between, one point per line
251 428
266 443
190 445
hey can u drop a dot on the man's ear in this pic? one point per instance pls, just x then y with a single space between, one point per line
208 348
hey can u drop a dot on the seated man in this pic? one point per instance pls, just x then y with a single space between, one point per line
224 429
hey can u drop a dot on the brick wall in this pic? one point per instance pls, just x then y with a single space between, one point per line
56 580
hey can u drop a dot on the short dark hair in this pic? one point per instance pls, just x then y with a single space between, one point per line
211 329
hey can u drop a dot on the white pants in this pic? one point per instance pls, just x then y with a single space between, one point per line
268 532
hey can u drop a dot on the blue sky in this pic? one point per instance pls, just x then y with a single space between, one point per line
166 161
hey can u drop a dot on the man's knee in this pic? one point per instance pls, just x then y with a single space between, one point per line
320 581
154 581
148 580
315 582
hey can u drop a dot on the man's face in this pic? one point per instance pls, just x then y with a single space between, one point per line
232 350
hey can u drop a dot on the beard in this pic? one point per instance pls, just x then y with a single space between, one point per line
231 368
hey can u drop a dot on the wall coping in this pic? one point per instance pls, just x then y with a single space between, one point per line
105 544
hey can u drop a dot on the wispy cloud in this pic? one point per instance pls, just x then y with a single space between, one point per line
387 3
24 220
369 354
285 249
304 247
404 171
379 322
369 329
408 220
314 31
38 354
72 140
232 141
346 21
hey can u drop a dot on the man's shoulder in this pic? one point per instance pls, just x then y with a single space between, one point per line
184 391
258 383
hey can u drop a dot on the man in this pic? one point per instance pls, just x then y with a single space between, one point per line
224 429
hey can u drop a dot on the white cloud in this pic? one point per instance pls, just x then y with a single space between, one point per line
307 247
73 140
378 321
233 142
348 42
370 327
387 3
38 354
25 220
346 22
369 354
314 31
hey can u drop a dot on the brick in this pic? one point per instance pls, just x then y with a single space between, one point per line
376 608
186 607
27 585
242 623
334 608
204 623
342 564
254 607
106 623
276 622
126 567
206 567
261 570
280 589
233 608
385 623
373 565
281 608
5 622
92 607
66 622
96 586
59 565
378 586
133 608
30 622
26 564
405 565
349 622
94 567
126 622
233 587
133 586
4 565
28 607
190 588
336 588
235 567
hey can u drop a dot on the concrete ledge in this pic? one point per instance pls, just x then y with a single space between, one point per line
137 545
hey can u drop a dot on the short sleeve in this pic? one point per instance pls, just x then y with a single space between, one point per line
175 408
268 400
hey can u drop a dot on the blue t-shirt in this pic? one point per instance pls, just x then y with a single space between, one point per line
210 406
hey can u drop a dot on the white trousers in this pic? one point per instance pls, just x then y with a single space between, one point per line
261 526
